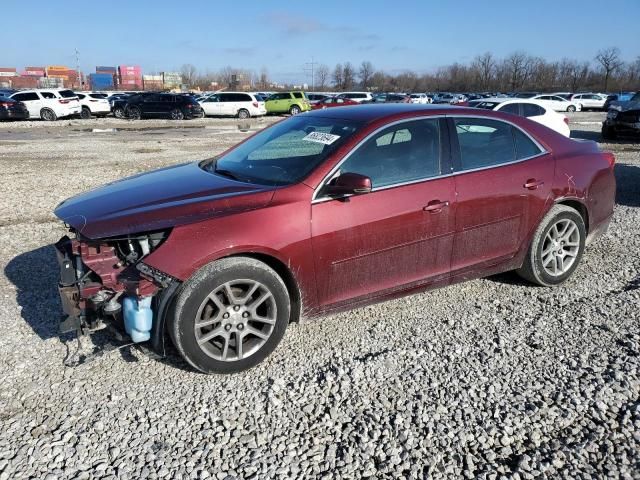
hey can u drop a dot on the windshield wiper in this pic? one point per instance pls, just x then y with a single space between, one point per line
226 173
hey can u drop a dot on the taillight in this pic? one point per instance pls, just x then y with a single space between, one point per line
255 104
566 120
5 104
63 100
609 157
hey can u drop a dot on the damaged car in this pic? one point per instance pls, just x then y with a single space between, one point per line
326 212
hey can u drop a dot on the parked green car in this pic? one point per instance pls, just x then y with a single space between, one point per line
287 102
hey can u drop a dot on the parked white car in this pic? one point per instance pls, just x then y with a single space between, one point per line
357 96
532 109
93 104
49 104
589 100
558 103
235 104
421 98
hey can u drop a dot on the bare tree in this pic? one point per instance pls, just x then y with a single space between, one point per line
485 66
365 73
338 77
609 60
348 76
322 76
263 81
515 67
188 72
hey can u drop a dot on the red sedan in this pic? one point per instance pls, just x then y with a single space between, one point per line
333 102
328 211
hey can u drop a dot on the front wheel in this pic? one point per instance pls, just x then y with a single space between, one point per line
571 108
294 110
118 112
230 315
176 114
243 114
134 113
85 114
556 248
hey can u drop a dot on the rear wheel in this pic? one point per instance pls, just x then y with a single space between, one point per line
294 110
176 114
85 114
556 248
230 315
243 114
118 112
134 113
571 108
48 115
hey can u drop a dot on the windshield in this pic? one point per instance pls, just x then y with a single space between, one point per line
284 153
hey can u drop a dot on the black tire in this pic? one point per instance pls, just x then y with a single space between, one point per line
181 326
118 112
48 115
571 108
294 110
85 114
243 114
532 269
176 114
608 133
134 113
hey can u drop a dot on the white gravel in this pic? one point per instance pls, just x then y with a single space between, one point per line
491 378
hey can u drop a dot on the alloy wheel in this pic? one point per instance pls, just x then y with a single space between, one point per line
235 320
560 247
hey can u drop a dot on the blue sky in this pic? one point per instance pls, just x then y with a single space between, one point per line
283 35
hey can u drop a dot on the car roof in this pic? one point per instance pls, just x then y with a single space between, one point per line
372 112
509 100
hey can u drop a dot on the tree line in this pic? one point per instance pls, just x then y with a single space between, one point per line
518 71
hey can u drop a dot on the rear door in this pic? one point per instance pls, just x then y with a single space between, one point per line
211 105
226 105
398 235
503 178
31 100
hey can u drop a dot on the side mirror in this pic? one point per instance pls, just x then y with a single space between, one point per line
348 184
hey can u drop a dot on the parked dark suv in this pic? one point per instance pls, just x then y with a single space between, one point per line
176 107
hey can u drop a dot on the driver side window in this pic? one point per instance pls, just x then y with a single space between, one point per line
402 153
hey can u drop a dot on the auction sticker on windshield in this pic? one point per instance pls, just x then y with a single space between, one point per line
319 137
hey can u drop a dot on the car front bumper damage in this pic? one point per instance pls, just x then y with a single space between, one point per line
102 287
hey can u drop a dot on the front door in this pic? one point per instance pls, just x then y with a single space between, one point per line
502 183
398 235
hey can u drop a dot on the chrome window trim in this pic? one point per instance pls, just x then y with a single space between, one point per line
329 176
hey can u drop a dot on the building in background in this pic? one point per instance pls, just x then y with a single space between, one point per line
171 79
152 82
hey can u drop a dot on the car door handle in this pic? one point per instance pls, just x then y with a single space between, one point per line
532 184
435 206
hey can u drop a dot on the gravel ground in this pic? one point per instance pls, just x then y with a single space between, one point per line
491 378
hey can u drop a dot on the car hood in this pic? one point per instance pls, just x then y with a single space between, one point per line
157 200
625 105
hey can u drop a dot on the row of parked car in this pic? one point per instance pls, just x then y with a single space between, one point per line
51 104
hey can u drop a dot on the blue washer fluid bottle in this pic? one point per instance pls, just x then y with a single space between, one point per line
138 318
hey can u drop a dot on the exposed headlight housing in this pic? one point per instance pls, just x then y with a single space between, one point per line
611 114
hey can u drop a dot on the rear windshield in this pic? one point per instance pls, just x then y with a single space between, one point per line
284 153
67 94
98 95
485 105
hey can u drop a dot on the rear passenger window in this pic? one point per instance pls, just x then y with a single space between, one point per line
513 108
47 95
25 97
399 154
525 147
532 110
484 143
297 95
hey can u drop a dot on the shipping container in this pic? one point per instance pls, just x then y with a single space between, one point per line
102 69
153 78
8 72
101 81
55 69
25 81
47 82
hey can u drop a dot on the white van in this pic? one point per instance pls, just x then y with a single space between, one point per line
357 96
49 104
235 104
